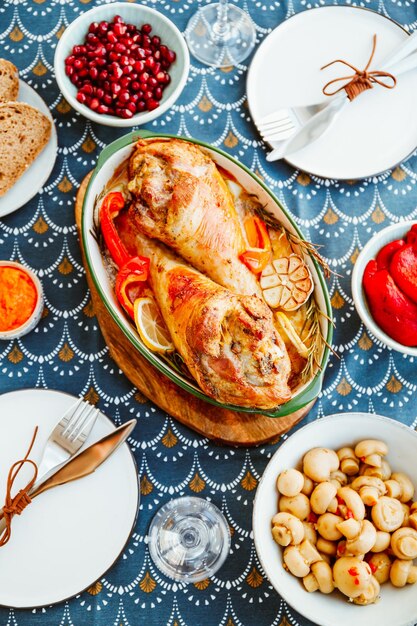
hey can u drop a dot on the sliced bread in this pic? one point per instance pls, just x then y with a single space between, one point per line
24 132
9 81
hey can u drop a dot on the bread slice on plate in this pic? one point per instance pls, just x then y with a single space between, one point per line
24 132
9 81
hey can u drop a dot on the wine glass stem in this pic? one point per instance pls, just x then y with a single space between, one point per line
220 29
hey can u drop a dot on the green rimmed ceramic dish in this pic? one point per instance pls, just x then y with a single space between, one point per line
110 158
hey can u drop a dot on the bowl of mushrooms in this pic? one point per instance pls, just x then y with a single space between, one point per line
335 521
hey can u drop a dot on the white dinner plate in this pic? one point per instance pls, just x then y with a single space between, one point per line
68 537
377 130
38 172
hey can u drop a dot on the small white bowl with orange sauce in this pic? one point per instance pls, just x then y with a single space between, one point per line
21 300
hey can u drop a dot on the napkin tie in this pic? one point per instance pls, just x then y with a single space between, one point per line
360 80
14 505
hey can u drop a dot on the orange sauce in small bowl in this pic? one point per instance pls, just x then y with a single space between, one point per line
18 297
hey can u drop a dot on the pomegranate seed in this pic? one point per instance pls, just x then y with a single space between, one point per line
116 70
103 75
157 94
113 56
146 41
141 105
87 89
93 27
132 107
101 62
137 38
107 99
100 93
124 60
94 104
148 95
69 70
107 86
143 77
150 63
134 97
167 78
170 56
118 20
93 73
139 66
111 37
115 89
103 27
126 113
119 47
119 29
83 73
125 81
140 53
102 108
92 38
124 96
160 77
127 70
78 64
163 49
152 82
146 29
81 97
157 55
156 68
152 104
70 60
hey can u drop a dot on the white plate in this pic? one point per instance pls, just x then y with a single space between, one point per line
377 130
38 173
67 537
396 607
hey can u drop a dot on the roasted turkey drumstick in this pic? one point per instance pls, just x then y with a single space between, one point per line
180 198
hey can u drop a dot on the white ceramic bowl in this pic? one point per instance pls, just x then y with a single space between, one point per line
137 14
374 245
396 607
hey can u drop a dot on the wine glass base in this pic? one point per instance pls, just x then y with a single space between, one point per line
220 50
189 539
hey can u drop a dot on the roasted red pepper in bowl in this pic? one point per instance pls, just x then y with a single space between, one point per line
390 284
130 282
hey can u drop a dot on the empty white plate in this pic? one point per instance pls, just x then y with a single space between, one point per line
377 130
38 172
67 538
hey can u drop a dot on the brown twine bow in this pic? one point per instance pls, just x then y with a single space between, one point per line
360 80
15 505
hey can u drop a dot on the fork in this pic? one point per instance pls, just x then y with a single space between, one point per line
283 123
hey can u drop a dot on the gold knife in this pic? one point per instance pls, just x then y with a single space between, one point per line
86 462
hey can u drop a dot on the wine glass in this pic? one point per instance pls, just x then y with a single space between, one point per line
220 34
189 539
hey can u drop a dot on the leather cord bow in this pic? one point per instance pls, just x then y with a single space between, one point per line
14 505
361 80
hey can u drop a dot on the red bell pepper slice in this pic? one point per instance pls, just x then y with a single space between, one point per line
130 282
391 309
386 253
111 206
403 268
258 255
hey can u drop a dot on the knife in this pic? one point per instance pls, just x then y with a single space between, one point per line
400 62
85 463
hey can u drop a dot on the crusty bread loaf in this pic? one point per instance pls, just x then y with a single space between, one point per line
9 81
24 132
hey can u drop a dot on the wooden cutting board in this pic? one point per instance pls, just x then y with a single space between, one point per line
221 425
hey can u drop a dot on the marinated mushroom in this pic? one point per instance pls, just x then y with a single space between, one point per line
360 536
380 565
351 576
370 594
403 572
406 486
324 546
298 505
349 463
298 559
290 482
354 504
382 541
327 526
310 532
320 578
322 496
387 514
318 464
406 509
338 478
287 529
370 489
308 486
371 451
383 472
404 543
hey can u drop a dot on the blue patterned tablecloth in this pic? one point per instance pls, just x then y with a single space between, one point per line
67 350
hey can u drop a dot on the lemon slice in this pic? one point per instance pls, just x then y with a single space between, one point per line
151 327
292 334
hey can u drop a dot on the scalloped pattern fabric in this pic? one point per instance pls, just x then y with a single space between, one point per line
67 351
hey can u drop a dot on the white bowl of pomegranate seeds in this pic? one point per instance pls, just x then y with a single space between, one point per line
121 64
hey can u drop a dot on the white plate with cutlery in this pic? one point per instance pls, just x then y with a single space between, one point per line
374 132
68 537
